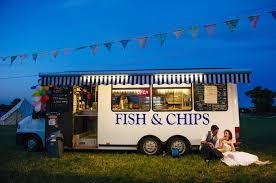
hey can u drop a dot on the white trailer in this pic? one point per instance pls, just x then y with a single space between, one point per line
145 110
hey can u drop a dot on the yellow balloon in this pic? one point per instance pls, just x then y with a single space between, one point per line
36 93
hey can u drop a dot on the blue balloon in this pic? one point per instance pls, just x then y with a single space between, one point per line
33 87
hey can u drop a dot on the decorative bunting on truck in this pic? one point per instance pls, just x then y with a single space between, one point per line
124 43
55 53
108 45
142 41
13 59
22 58
161 37
232 24
273 13
210 29
34 55
178 33
94 48
194 31
254 20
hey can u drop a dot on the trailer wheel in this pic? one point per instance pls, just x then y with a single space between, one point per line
150 146
31 143
180 143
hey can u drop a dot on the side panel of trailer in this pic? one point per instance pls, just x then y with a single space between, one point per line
118 130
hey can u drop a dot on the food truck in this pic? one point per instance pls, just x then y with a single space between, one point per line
150 110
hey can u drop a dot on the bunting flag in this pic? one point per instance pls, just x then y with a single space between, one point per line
23 57
161 37
55 53
254 20
273 13
13 59
124 43
232 24
66 51
108 45
142 41
94 48
210 29
34 55
194 31
178 33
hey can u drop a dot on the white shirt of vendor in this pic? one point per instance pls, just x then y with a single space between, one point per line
204 137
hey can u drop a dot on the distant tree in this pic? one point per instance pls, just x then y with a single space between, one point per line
15 101
262 98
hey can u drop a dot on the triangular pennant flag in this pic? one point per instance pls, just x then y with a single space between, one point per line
142 41
4 58
55 53
66 51
210 29
34 55
23 57
273 13
124 43
194 31
108 45
94 48
232 24
13 59
161 37
80 48
178 33
254 20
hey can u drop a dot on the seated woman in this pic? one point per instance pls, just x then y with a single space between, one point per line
231 157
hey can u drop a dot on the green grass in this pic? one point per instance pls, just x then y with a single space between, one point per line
258 135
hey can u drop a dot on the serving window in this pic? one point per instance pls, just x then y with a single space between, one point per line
210 97
168 99
135 99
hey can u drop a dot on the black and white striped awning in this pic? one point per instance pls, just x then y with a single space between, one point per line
141 79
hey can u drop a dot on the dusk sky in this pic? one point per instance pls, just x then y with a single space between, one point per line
31 26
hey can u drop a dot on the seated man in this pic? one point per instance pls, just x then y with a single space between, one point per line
209 145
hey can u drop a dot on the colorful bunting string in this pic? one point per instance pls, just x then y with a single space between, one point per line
142 41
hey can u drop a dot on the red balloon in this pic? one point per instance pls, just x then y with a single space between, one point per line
45 98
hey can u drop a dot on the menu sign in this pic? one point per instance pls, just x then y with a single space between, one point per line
60 99
210 97
210 94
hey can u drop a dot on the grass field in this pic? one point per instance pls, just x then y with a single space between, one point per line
258 136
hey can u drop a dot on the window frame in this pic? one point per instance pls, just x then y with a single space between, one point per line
174 87
227 103
136 110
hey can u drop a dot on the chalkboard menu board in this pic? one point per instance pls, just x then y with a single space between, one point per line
221 102
60 99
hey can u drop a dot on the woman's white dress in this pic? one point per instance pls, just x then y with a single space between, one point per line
237 158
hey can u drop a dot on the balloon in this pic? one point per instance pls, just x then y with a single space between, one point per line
42 92
35 103
45 98
36 93
46 88
37 108
36 99
33 87
38 87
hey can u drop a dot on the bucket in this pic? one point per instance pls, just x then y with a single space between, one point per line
175 152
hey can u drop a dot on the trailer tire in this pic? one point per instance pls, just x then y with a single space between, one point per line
150 146
32 143
178 142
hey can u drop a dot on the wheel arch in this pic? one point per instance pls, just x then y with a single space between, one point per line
26 135
179 136
151 136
